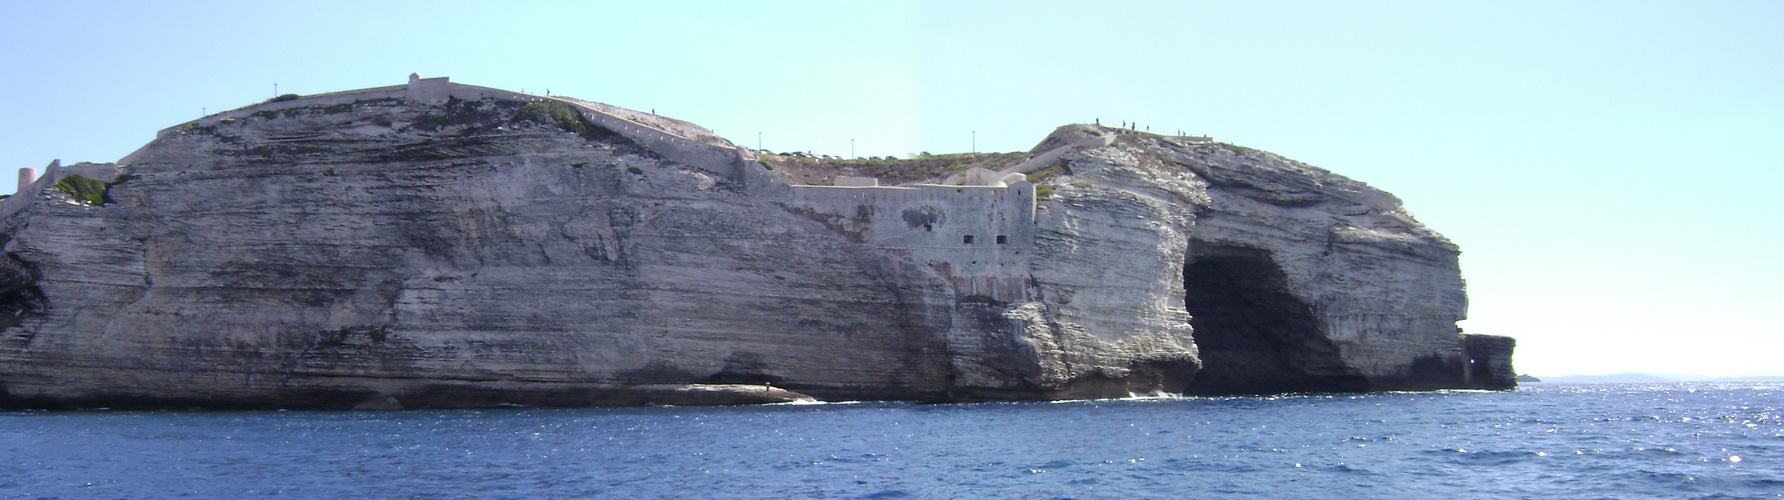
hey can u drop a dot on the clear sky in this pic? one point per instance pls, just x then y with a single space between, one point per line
1608 168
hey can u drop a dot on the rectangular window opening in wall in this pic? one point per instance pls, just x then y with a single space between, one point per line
968 239
1003 240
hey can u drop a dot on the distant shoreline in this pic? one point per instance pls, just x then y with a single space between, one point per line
1651 378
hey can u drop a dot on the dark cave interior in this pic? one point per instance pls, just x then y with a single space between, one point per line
1254 336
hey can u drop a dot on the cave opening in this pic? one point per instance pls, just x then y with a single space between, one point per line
1254 335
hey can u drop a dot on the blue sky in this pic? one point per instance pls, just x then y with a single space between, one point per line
1607 167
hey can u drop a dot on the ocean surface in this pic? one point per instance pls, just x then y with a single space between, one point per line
1674 440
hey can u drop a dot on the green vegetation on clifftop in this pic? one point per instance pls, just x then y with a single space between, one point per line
85 189
890 172
566 117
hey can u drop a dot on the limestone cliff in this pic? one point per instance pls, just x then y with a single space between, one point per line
447 245
1296 279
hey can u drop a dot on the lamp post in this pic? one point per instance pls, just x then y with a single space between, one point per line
851 149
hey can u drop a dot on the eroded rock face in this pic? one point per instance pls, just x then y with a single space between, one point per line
1296 279
473 252
315 256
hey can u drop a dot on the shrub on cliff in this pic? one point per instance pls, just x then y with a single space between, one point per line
565 117
85 189
1050 172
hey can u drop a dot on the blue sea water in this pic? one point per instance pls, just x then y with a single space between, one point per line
1682 440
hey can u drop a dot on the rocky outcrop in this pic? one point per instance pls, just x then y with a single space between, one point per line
1295 279
442 245
1489 362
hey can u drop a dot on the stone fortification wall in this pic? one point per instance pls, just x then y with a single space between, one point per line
1051 157
978 238
27 176
51 174
428 90
723 160
328 99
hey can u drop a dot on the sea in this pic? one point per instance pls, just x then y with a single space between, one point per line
1622 441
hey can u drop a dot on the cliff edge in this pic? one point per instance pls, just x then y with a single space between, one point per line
445 245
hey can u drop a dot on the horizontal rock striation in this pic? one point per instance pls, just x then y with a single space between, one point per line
1295 279
443 245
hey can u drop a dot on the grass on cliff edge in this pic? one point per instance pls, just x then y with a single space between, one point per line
85 189
565 117
924 168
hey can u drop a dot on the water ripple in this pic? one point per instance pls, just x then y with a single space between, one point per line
1556 440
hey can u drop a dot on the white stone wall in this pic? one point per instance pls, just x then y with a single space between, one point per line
979 238
428 90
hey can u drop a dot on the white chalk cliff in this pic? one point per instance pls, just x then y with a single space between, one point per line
445 245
